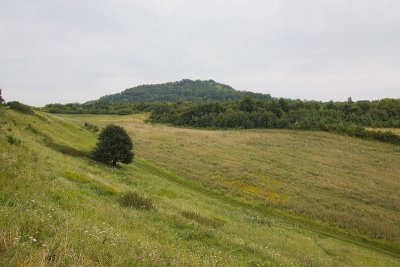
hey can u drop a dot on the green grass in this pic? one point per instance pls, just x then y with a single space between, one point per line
213 204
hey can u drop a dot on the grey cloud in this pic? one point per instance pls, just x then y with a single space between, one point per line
64 51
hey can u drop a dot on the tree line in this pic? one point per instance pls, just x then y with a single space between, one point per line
349 117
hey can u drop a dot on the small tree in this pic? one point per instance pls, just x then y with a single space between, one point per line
114 145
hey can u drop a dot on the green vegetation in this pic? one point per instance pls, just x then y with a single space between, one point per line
100 107
226 198
15 105
114 145
347 118
280 113
184 90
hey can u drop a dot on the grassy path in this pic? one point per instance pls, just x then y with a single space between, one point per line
301 223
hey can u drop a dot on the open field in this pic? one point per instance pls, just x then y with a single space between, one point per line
58 207
341 180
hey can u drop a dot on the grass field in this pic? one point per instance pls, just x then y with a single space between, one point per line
232 198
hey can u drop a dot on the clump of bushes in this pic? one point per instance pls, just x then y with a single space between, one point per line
15 105
211 222
134 200
91 127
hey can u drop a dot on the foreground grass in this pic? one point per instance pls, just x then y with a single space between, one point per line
63 209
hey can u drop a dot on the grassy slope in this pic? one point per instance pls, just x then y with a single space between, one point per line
68 204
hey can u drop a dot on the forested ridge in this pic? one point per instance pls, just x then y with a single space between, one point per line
184 90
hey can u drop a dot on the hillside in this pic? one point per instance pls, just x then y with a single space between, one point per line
222 198
184 90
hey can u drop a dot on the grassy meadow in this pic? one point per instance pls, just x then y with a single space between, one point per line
220 198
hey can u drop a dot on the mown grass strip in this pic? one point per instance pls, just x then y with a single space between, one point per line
301 223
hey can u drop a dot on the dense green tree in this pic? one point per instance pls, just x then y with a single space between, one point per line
247 104
114 145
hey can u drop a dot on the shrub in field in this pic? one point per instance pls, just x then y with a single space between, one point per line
15 105
134 200
114 145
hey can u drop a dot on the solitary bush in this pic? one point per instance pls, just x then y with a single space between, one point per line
114 145
134 200
15 105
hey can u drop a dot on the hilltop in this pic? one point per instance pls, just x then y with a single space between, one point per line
184 90
226 198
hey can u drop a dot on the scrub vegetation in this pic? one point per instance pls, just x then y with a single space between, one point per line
215 198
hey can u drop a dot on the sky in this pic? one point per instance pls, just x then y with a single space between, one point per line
56 51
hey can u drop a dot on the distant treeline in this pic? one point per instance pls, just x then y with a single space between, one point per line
100 107
280 113
348 118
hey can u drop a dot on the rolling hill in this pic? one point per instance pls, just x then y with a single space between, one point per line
184 90
222 198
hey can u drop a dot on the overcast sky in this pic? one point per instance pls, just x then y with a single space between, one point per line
74 51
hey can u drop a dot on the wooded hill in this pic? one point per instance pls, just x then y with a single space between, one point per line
184 90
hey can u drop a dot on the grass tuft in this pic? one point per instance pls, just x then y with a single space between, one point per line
134 200
12 140
211 222
91 127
